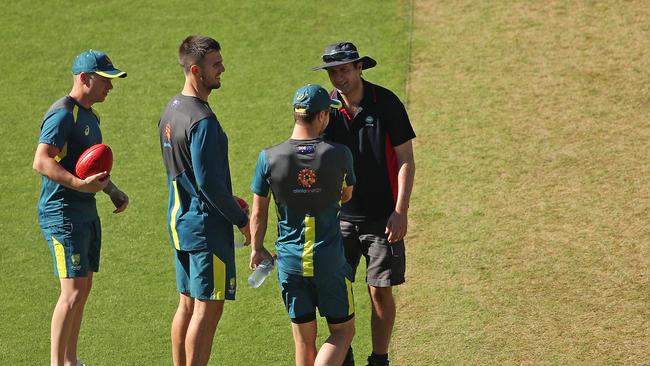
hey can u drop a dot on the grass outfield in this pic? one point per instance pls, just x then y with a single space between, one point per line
268 49
529 240
530 236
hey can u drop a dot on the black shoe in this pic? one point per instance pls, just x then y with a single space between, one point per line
349 358
374 361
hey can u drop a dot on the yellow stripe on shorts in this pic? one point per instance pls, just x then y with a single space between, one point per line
59 253
308 248
348 284
219 276
172 224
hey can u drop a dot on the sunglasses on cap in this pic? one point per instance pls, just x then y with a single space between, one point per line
340 56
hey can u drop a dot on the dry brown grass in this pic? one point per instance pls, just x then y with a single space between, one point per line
530 239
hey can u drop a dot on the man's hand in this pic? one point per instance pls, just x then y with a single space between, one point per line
120 200
94 183
258 255
396 226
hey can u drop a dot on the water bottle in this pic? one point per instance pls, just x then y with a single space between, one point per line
260 273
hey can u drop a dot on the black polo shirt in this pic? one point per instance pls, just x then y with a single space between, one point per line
381 124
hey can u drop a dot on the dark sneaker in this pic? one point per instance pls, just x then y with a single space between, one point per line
373 361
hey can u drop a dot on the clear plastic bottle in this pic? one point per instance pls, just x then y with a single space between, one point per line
260 273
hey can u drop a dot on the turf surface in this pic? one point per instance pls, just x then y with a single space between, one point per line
268 49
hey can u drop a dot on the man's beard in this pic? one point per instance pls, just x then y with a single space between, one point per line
210 85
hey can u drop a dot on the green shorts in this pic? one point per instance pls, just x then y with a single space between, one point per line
330 293
75 247
206 274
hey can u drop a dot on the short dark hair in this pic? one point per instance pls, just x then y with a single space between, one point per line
306 118
194 48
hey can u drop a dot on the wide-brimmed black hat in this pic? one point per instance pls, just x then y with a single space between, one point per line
344 53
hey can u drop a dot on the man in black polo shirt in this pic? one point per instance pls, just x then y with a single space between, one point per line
374 124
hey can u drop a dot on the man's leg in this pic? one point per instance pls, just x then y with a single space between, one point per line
71 348
386 264
200 332
304 338
66 319
335 348
382 318
180 323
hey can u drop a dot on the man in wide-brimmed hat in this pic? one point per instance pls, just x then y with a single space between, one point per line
374 124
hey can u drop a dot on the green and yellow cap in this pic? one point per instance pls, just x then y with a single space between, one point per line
97 62
313 98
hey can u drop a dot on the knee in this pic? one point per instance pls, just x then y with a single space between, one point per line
304 342
186 306
347 333
208 310
73 299
381 295
344 331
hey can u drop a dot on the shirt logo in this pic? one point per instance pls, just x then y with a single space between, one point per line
168 136
87 130
307 177
370 121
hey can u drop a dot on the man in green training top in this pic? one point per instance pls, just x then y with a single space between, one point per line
309 177
201 210
67 213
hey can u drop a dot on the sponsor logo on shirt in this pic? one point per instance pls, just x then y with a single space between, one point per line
307 178
370 121
87 130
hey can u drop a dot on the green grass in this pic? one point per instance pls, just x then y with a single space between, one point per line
531 236
268 49
529 239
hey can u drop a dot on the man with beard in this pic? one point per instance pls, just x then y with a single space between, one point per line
202 209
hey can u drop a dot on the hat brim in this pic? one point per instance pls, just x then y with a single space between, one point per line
334 103
367 62
112 74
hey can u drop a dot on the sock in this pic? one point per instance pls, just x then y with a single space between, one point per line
379 359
